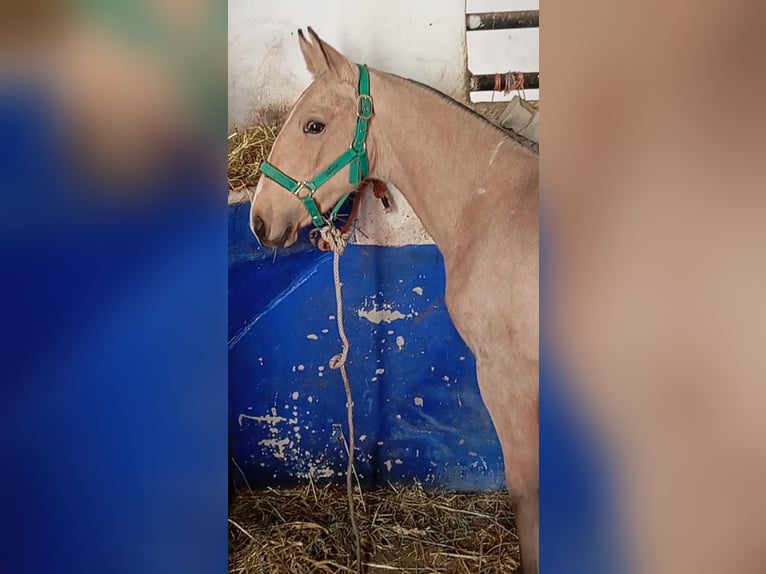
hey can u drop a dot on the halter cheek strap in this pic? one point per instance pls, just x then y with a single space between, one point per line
355 157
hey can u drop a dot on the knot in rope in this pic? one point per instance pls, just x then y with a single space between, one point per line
337 361
330 238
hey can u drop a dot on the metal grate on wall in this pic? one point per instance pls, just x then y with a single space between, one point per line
502 40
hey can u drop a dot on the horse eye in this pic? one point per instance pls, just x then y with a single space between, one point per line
313 127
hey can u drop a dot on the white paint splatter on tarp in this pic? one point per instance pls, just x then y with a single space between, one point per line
380 371
417 290
314 467
277 445
268 419
296 395
481 462
383 314
320 473
301 367
400 342
312 337
389 464
418 401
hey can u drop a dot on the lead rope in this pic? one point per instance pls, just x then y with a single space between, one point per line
330 238
337 241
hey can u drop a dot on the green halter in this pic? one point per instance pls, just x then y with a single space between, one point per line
356 156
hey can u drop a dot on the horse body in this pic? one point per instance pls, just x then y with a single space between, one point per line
476 192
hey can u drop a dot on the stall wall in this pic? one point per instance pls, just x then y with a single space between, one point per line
423 40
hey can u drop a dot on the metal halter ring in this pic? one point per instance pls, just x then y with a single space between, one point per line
304 186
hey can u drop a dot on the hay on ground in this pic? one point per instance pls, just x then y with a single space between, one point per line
247 149
306 530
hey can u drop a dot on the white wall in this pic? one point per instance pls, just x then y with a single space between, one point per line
420 39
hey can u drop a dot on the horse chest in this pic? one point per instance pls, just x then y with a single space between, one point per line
473 315
490 307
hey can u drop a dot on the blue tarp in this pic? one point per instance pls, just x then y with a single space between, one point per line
418 411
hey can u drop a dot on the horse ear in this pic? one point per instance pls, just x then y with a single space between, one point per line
327 58
312 54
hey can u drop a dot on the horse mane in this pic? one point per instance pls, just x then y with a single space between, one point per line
459 105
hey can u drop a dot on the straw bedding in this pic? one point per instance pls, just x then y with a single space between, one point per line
247 149
306 530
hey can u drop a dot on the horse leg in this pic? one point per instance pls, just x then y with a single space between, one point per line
527 509
511 395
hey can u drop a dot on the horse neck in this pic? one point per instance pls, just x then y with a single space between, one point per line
442 157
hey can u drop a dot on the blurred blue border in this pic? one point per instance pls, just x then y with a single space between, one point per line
114 390
578 527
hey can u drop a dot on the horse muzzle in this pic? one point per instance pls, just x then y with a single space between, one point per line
262 232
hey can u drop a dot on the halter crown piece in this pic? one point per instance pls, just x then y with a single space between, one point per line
355 156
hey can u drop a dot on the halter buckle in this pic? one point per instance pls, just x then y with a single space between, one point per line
364 106
304 186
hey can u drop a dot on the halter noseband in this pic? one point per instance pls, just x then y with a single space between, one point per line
356 155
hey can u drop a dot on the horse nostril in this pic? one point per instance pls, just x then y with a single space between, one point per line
259 227
286 234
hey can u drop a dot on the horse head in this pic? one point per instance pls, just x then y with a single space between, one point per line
306 164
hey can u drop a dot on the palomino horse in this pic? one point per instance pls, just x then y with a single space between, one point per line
475 191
